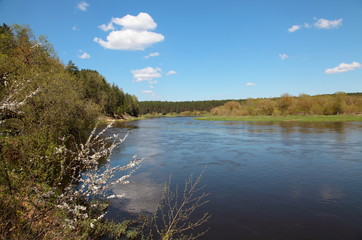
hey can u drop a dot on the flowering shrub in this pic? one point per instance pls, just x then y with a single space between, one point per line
88 186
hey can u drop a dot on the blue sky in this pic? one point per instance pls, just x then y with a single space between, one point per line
204 50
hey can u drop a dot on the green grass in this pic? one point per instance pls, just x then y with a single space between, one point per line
296 118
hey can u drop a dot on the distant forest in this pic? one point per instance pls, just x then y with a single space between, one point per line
165 107
325 104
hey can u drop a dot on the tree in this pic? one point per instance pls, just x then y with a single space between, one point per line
285 102
72 68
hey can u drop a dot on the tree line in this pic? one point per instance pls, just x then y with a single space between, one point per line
165 107
286 104
328 104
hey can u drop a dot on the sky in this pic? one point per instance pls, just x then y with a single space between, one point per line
204 50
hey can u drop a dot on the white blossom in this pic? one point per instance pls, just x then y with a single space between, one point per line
93 182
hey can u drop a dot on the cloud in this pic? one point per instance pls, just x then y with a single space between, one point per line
83 6
169 73
155 54
294 28
151 94
142 21
134 35
344 67
130 40
250 84
147 91
152 87
283 56
146 74
107 27
74 28
327 24
152 82
319 24
84 56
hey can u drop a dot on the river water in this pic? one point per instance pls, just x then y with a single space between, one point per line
267 180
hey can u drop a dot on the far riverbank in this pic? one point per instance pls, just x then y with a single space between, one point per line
295 118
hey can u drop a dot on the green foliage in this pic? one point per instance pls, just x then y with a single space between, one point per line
165 107
112 100
44 106
287 118
338 103
121 230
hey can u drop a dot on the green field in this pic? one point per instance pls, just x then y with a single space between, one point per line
296 118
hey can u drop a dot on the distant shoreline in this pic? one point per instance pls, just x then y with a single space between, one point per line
287 118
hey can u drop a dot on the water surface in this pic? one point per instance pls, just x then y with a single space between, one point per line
267 180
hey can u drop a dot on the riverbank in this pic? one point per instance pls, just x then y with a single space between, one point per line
295 118
106 120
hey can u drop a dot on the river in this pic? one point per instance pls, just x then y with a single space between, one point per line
267 180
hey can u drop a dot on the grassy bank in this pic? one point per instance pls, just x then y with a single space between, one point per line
106 120
296 118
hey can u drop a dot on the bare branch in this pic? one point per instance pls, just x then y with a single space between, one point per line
173 217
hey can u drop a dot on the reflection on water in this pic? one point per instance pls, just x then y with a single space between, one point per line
331 193
268 180
299 127
141 195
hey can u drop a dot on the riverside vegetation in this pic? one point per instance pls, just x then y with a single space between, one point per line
334 107
54 176
329 107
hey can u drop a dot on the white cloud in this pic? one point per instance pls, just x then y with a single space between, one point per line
283 56
152 94
307 25
250 84
130 40
170 73
344 67
319 24
107 27
146 74
84 56
74 28
294 28
152 87
83 6
155 54
147 91
327 24
134 35
143 21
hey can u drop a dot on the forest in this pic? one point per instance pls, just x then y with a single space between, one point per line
165 107
47 113
326 104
